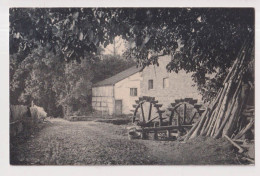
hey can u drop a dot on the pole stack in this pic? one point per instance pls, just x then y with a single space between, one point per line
224 115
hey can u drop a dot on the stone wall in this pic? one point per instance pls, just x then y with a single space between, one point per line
20 116
180 85
23 119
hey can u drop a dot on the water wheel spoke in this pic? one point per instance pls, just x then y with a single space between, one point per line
171 117
190 121
150 111
178 118
152 119
142 109
184 112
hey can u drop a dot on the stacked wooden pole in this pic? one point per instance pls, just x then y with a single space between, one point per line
224 113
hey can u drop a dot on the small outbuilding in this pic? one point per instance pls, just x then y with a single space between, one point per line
117 94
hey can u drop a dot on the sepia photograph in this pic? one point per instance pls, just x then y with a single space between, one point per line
132 86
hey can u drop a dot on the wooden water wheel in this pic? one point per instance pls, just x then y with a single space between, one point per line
147 112
184 111
149 118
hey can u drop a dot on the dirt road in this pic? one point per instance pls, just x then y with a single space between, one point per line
95 143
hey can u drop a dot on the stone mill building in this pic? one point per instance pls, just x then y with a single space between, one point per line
117 94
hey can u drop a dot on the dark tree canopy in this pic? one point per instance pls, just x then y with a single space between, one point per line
200 40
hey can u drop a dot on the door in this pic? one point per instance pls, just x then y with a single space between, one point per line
118 107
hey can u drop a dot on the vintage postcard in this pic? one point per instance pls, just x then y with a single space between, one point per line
132 86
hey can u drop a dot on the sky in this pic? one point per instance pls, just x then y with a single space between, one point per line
120 46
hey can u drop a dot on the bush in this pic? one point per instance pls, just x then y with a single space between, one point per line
38 113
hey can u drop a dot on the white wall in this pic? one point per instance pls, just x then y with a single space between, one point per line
180 85
122 91
103 99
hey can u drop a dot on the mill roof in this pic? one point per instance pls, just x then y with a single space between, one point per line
118 77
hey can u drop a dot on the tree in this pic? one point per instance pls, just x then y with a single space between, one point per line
33 80
51 83
202 41
75 32
110 65
74 88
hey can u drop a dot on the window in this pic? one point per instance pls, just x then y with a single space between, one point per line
165 83
150 84
133 92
